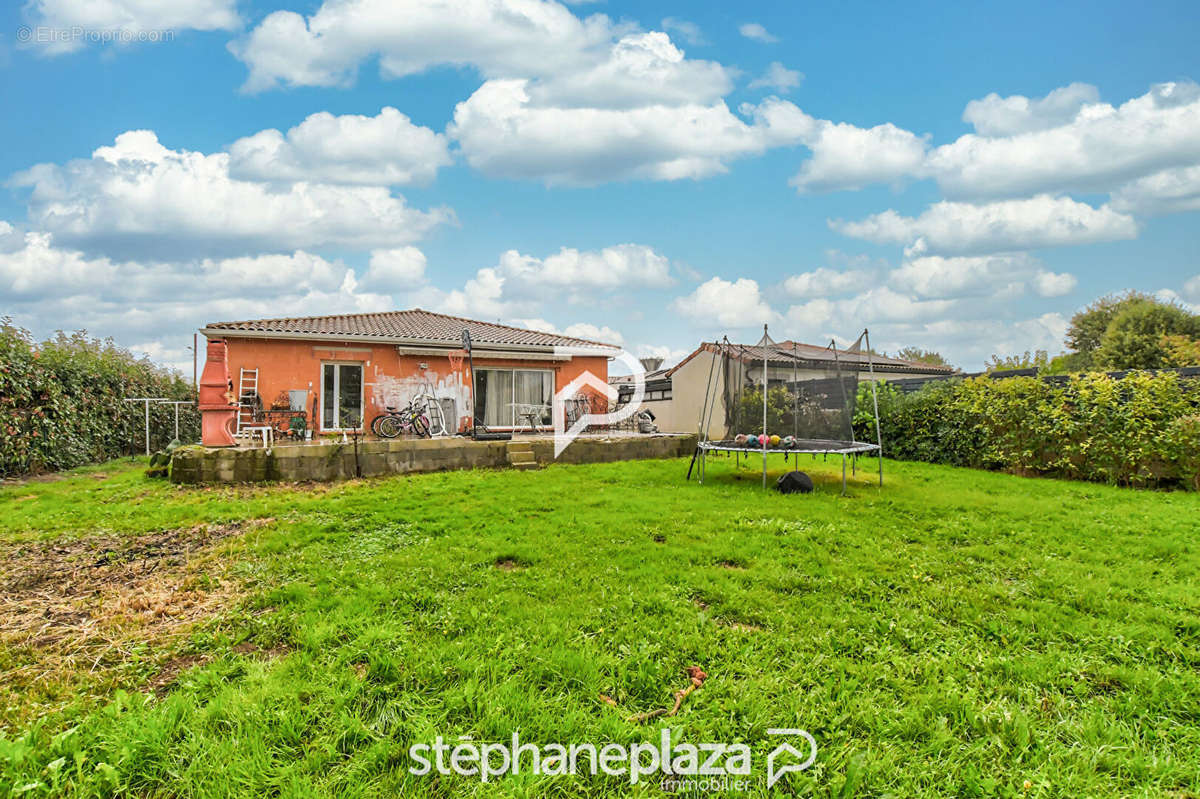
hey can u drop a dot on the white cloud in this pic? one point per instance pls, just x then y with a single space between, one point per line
737 305
155 305
503 133
396 270
1006 116
501 38
1098 149
965 276
778 77
1166 192
140 199
878 304
755 31
585 330
381 150
521 285
687 31
849 157
952 228
1191 289
127 16
1054 284
825 282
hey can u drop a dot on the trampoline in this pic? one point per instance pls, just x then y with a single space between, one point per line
822 402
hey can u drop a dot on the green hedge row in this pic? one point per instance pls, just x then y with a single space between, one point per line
1141 430
61 402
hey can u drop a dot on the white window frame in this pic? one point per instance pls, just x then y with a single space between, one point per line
337 379
513 396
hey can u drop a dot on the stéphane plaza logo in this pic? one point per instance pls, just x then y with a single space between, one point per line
677 767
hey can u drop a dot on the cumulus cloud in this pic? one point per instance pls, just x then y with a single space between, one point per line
48 286
646 112
1096 150
521 285
139 199
739 304
778 77
385 149
1191 289
952 228
1166 192
395 270
584 330
504 38
755 31
825 282
848 157
1054 284
127 16
1006 116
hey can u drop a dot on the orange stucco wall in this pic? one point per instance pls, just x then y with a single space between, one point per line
389 378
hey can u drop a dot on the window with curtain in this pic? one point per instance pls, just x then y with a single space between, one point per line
499 392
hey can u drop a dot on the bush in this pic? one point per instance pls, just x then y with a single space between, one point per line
1140 430
61 402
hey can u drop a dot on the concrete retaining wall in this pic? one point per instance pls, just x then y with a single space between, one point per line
337 461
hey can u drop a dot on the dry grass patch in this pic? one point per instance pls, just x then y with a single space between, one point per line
76 617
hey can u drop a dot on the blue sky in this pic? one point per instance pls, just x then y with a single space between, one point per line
960 177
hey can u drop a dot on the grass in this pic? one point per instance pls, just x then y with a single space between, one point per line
957 633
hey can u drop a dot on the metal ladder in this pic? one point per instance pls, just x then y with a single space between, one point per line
247 391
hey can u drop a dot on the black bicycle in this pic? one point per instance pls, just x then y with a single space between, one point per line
412 418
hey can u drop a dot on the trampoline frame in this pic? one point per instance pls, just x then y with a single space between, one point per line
852 448
843 448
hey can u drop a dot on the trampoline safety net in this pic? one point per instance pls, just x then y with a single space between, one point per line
811 392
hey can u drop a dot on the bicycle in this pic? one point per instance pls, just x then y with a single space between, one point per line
396 421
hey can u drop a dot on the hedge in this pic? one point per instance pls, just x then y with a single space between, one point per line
61 402
1142 429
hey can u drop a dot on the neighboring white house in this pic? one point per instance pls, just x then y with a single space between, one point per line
675 395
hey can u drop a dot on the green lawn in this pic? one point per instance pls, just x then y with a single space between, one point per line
956 633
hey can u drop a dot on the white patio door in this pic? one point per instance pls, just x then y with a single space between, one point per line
341 396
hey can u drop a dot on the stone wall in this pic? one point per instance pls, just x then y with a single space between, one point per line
338 461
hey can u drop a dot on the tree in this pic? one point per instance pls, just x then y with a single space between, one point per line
1088 326
1134 338
1037 359
1181 350
919 355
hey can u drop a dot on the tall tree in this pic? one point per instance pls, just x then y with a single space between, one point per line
1135 337
919 355
1087 327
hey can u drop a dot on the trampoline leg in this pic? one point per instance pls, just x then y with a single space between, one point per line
881 468
843 475
853 465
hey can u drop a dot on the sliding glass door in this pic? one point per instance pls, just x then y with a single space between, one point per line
341 396
503 396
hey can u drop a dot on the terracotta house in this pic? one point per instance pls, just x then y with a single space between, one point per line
344 370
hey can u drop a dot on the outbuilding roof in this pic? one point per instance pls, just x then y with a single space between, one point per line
413 326
787 353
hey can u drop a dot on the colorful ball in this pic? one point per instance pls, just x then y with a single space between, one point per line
788 442
740 439
775 441
763 439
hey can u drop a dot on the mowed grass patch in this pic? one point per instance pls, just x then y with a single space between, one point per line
953 633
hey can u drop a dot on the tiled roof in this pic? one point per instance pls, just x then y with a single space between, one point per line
783 354
416 326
